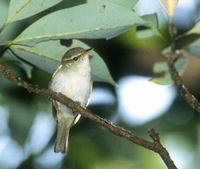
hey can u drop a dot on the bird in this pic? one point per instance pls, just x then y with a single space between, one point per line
73 79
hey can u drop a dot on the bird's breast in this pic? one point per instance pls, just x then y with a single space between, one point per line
74 85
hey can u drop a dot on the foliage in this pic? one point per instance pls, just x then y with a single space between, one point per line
30 43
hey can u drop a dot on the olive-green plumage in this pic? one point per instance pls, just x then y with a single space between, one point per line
73 79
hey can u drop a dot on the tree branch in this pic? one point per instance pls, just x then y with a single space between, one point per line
184 92
155 145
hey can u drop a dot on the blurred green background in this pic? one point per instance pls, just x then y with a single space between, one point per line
27 129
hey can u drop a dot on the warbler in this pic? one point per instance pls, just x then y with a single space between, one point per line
73 79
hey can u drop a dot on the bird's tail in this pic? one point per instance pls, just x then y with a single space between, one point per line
61 143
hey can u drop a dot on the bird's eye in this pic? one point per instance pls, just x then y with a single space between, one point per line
75 58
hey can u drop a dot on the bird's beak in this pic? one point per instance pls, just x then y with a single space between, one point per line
87 51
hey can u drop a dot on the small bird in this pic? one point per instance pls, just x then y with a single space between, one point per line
73 79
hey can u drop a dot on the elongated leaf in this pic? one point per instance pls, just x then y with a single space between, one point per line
126 3
147 33
11 32
190 43
165 78
3 11
194 48
153 7
98 19
47 56
20 9
163 69
195 29
152 19
191 40
151 22
155 16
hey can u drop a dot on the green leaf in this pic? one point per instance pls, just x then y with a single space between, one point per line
194 48
195 29
146 33
190 43
98 19
151 19
47 56
21 9
162 69
154 8
155 16
27 68
151 27
12 31
3 11
164 80
191 40
181 64
126 3
151 22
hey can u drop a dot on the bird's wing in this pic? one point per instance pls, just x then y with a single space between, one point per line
79 115
56 71
91 86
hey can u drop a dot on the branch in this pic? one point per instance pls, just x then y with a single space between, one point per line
184 92
155 146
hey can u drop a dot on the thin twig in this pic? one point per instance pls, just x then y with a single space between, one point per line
155 146
184 92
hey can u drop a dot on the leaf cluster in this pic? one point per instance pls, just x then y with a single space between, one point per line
38 45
